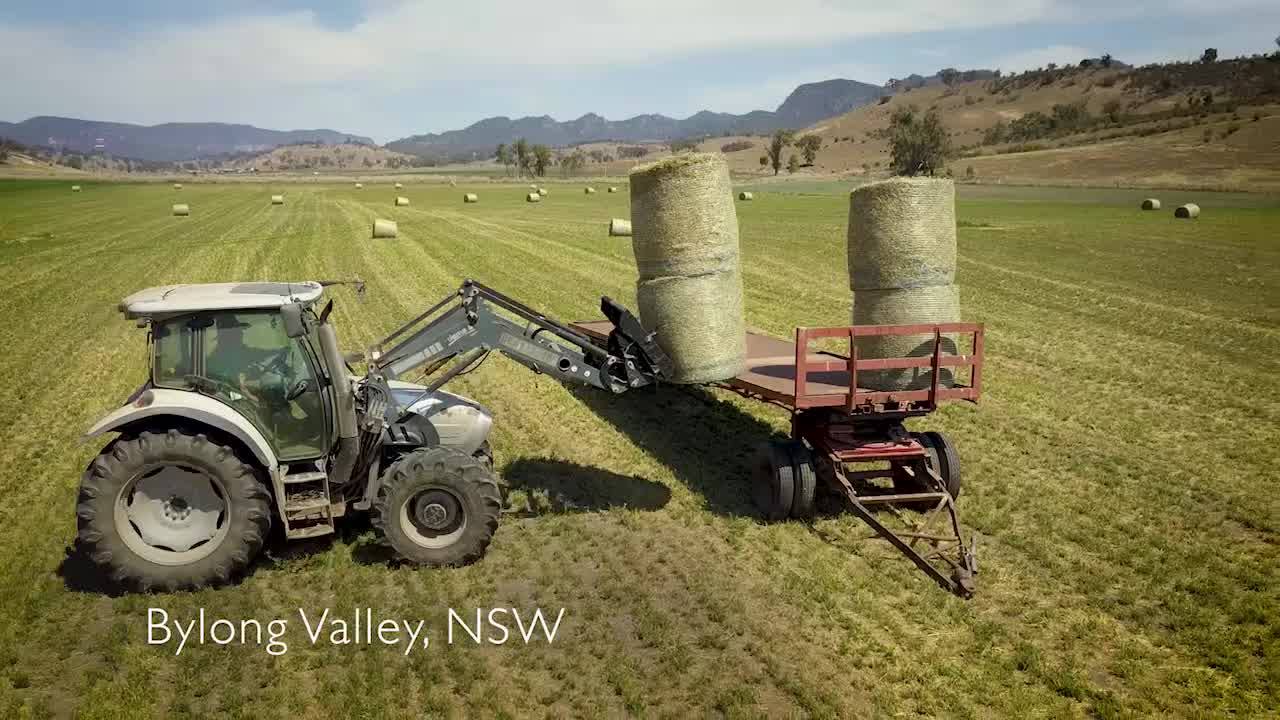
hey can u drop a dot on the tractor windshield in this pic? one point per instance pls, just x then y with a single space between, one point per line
246 360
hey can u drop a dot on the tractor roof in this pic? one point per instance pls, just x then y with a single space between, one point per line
178 299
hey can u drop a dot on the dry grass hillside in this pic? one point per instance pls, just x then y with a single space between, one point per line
320 157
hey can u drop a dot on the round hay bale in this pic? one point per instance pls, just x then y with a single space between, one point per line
904 306
533 188
359 186
902 234
686 249
402 201
177 186
385 229
744 195
533 197
181 209
470 198
699 323
619 228
399 186
75 188
1187 212
588 191
613 189
277 199
453 183
1151 204
542 191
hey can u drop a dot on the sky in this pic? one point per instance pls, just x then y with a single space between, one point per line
392 68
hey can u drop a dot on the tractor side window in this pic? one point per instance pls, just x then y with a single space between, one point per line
256 368
174 358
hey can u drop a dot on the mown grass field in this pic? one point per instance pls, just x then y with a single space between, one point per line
1121 469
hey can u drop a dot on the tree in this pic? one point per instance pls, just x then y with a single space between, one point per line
781 139
541 159
1111 109
809 146
1210 55
503 155
1106 60
793 164
573 162
521 149
948 76
764 160
918 145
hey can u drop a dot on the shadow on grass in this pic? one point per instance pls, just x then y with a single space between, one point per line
554 486
707 443
80 574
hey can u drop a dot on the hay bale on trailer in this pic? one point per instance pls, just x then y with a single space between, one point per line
686 249
902 267
619 228
1189 211
744 195
533 197
277 199
470 198
1151 204
181 210
385 229
402 201
902 234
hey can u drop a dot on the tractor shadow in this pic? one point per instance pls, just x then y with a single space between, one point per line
542 486
707 443
79 574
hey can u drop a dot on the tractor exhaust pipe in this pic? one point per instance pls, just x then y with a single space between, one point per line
344 407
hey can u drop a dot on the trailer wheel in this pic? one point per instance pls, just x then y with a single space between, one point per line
805 481
773 480
438 506
942 457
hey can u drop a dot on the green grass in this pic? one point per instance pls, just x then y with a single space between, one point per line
1120 468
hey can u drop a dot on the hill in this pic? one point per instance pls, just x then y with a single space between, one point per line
169 142
318 156
805 105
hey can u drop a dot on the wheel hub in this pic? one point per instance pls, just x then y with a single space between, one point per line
435 510
174 508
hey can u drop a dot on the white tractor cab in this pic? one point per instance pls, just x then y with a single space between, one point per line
251 416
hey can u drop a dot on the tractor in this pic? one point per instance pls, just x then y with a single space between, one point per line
251 416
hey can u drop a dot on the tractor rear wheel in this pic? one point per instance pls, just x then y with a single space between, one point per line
171 510
438 506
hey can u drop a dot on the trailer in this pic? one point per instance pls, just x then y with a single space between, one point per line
850 442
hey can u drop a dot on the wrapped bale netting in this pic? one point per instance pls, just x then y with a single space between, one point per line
181 210
686 249
744 195
385 229
470 198
619 227
277 199
1151 204
905 306
902 234
533 197
402 201
1188 211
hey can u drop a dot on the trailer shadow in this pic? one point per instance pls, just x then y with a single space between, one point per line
707 443
541 486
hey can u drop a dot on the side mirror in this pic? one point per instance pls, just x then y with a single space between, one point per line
295 325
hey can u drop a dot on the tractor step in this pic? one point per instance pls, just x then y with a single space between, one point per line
307 500
309 531
304 477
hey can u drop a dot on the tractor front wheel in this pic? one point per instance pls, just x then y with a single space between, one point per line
171 510
438 506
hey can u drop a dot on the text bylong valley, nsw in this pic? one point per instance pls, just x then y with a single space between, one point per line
361 626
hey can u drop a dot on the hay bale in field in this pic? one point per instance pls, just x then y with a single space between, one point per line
613 189
385 229
744 195
1187 212
453 183
181 210
533 188
542 191
1151 204
619 228
177 186
277 199
533 197
588 191
470 198
905 306
402 201
75 188
359 186
686 249
902 234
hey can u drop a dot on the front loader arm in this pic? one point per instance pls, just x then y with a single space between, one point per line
477 319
